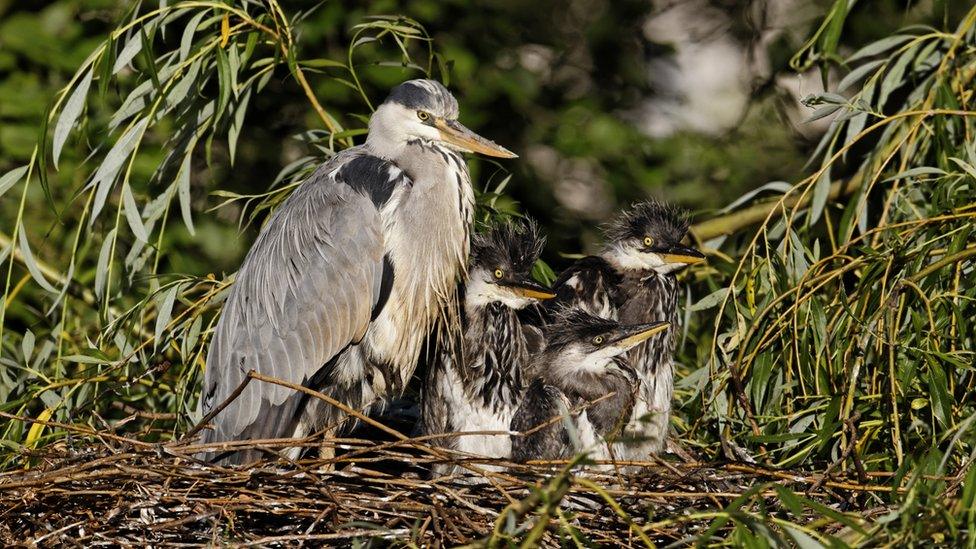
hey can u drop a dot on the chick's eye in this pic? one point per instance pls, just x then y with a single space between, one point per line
423 115
499 273
598 340
648 241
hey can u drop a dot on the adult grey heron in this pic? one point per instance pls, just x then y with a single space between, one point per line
633 280
349 275
583 366
480 388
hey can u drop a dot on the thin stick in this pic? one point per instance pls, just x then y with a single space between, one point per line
206 419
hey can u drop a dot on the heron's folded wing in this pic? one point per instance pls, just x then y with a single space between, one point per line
305 292
542 436
586 284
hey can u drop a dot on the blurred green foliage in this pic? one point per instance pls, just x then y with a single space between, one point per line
581 103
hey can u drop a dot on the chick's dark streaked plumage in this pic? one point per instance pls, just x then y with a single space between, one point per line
633 280
585 377
482 391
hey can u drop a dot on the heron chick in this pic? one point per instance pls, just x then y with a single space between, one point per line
633 279
584 376
348 277
481 391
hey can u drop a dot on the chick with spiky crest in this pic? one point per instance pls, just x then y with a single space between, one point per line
584 376
633 280
482 391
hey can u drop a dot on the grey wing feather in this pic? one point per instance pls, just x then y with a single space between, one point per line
303 294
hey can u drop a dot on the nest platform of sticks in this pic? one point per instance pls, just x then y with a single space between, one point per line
122 492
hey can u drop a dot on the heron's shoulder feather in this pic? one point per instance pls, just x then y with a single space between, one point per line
590 283
372 176
591 266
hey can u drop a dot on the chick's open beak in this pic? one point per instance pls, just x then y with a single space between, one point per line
682 254
528 288
630 336
456 134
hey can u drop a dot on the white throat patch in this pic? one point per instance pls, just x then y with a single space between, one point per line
480 292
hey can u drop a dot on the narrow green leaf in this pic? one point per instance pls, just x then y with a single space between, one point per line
939 391
164 311
895 77
105 65
149 59
969 169
835 24
186 41
881 46
132 213
322 63
32 267
802 540
27 345
854 127
137 100
820 193
132 48
101 268
822 112
183 189
106 173
223 76
69 114
915 172
234 63
857 74
11 178
236 125
776 186
710 300
83 359
180 90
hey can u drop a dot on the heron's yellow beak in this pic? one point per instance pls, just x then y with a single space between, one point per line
643 332
456 134
532 291
526 287
682 254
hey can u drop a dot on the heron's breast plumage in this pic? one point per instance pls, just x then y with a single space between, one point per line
426 230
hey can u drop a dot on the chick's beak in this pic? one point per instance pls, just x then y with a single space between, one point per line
529 289
630 336
456 134
682 254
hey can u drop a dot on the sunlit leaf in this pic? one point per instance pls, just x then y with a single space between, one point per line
69 115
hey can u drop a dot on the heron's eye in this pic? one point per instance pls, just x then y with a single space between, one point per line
648 241
423 115
598 340
499 273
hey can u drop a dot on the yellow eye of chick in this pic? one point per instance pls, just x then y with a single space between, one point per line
648 241
598 340
499 273
422 115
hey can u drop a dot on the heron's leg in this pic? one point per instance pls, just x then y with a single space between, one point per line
327 447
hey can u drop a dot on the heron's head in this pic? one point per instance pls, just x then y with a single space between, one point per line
424 110
501 266
648 237
579 341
